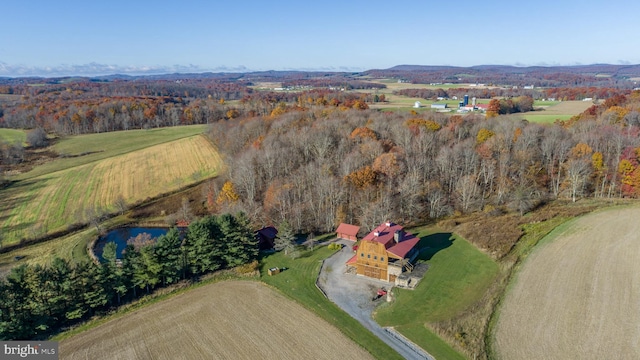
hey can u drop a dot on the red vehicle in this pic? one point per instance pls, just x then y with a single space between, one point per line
380 293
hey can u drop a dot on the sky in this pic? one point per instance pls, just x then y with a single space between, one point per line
69 37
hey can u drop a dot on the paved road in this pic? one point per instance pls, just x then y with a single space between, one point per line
354 293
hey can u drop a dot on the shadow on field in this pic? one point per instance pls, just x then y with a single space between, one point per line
431 244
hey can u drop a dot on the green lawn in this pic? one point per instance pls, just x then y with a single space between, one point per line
105 145
458 276
545 103
11 136
298 283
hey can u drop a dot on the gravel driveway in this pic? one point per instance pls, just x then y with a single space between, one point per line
353 294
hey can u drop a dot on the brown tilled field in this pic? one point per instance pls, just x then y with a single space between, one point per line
577 295
227 320
573 107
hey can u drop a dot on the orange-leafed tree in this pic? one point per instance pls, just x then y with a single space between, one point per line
362 178
581 150
363 132
494 108
228 194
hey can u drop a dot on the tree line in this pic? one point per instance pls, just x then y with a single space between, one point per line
315 169
563 93
37 301
548 77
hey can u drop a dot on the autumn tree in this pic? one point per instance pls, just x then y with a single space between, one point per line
228 194
493 109
37 138
362 178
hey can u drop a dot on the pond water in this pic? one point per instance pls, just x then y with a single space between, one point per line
120 237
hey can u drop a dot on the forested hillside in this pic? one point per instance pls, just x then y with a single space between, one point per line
318 167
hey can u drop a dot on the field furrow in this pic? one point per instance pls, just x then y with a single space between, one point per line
577 295
228 320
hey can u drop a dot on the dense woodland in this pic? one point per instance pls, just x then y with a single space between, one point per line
316 168
37 301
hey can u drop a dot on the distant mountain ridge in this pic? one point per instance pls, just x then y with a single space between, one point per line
598 75
613 70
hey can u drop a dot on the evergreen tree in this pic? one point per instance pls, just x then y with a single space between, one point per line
240 245
285 239
169 256
112 274
203 254
58 281
129 264
146 269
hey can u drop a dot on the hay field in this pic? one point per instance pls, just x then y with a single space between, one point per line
84 149
226 320
563 110
577 295
567 108
12 135
51 202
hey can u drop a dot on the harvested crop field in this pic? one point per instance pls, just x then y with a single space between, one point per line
227 320
574 107
50 202
577 294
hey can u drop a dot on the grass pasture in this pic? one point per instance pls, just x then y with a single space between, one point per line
224 320
544 118
458 276
12 135
72 247
40 205
84 149
552 111
576 293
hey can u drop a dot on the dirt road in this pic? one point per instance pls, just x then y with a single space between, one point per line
578 295
353 294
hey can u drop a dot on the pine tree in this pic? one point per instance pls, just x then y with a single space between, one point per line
169 256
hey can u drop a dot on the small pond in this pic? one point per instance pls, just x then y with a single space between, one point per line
121 235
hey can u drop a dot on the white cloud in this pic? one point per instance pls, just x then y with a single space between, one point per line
96 69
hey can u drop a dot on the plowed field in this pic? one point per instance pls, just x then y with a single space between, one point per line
578 295
227 320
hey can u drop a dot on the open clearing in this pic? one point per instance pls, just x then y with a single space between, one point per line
11 136
577 295
83 149
459 274
227 320
51 202
563 110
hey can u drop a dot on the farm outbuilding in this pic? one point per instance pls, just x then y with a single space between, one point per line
266 237
438 106
417 104
347 232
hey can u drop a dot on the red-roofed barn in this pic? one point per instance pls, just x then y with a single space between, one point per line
385 253
347 232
